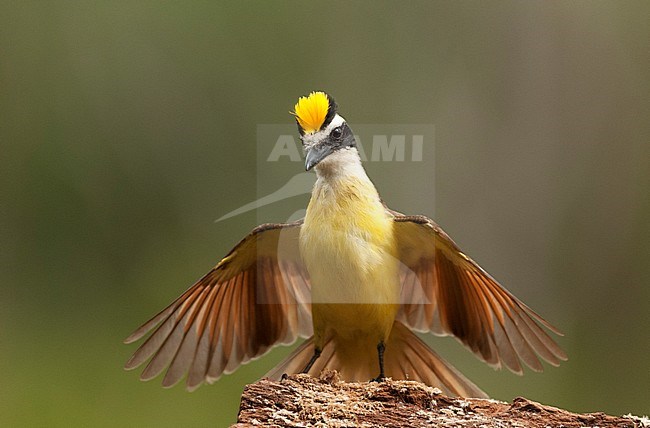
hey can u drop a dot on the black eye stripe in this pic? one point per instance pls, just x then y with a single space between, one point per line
341 136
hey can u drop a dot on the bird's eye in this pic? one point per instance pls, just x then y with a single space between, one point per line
337 132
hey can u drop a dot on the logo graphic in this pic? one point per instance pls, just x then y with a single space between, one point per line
299 184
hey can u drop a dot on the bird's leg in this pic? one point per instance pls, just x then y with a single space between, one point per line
380 353
311 362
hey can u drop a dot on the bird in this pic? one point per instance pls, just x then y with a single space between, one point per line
354 278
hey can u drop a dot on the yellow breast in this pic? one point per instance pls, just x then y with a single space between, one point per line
347 245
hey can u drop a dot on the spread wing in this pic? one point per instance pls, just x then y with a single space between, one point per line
447 293
256 297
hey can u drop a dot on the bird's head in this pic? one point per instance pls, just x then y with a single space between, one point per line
322 131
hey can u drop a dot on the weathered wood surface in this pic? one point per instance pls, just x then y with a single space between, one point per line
303 401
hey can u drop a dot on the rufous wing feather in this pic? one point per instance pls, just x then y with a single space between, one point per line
255 298
447 293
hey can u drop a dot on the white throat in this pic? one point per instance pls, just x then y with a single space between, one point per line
342 164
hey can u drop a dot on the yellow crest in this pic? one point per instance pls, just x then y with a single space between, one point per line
311 111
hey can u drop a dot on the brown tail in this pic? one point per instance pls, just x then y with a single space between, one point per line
406 357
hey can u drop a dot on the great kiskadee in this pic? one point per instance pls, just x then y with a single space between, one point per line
353 277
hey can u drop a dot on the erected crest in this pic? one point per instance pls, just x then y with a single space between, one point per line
314 112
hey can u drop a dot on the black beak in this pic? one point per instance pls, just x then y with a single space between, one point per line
317 153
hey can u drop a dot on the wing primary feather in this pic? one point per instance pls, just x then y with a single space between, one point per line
244 325
520 319
198 370
548 342
216 359
181 360
159 337
217 363
249 302
160 316
165 354
146 327
151 345
221 327
478 289
515 309
507 355
467 302
199 367
233 328
534 315
187 349
519 347
485 332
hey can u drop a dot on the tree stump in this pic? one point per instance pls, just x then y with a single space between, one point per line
304 401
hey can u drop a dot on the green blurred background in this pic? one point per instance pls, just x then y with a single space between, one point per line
127 127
